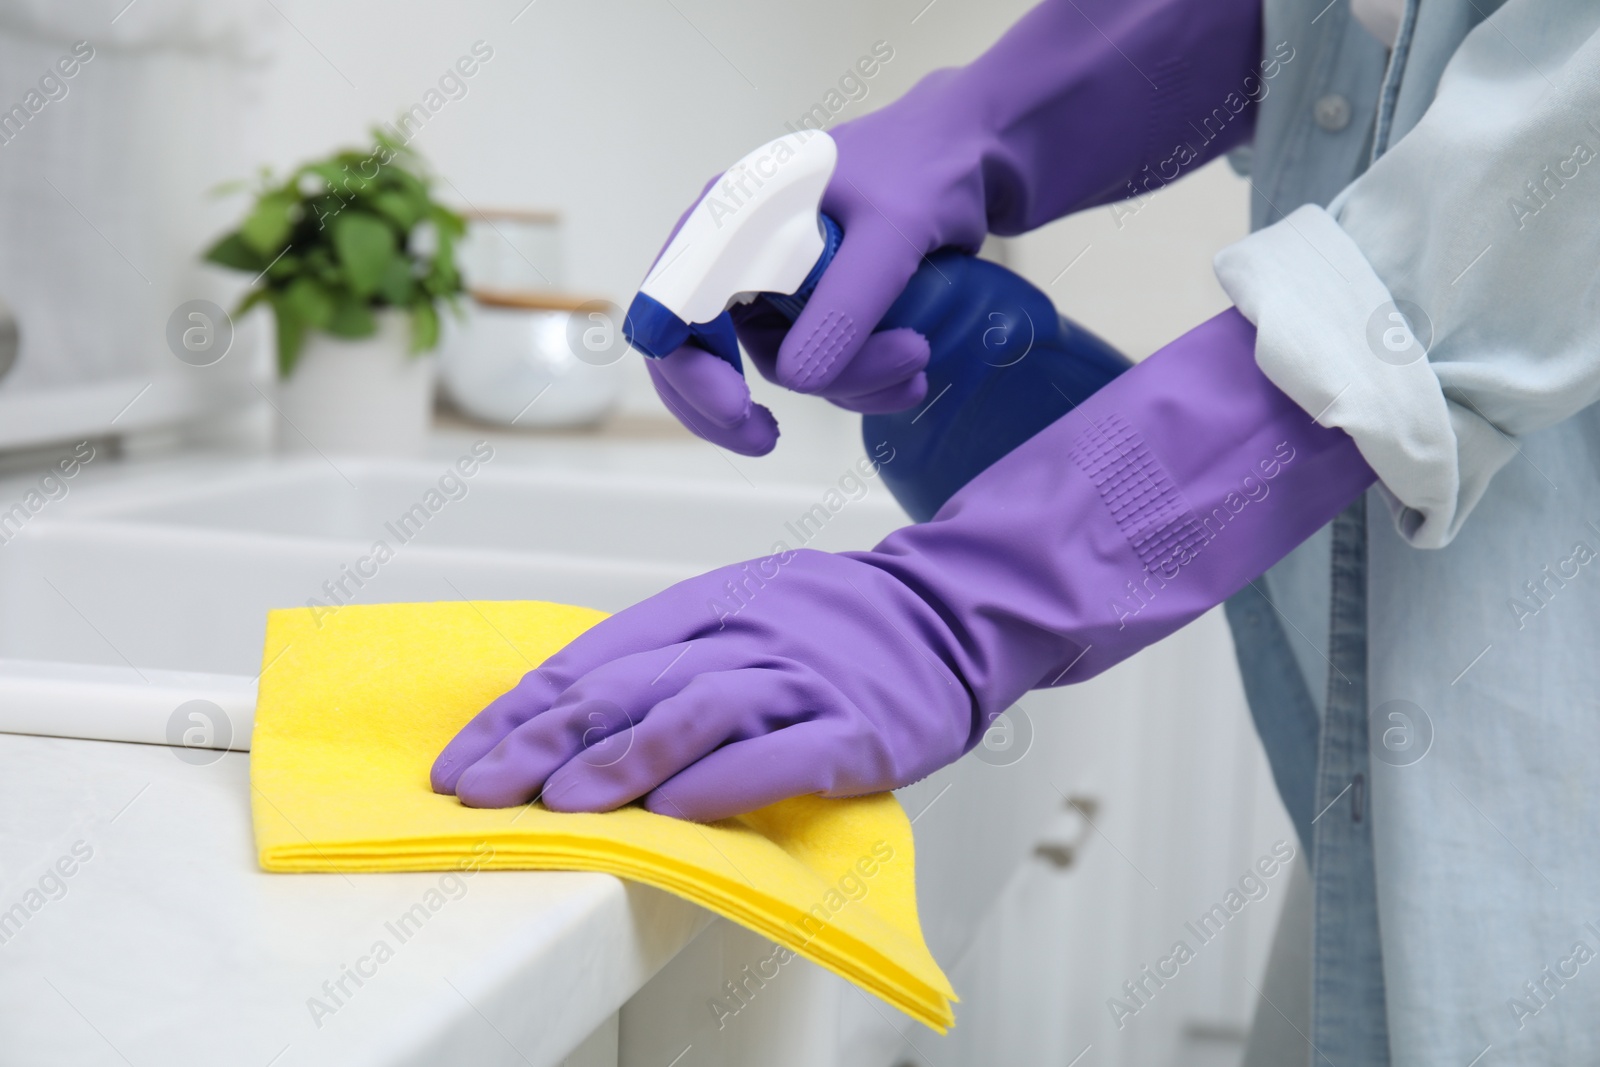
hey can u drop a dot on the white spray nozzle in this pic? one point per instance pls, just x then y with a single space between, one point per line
755 230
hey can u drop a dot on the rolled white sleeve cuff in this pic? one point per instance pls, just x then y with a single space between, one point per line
1330 336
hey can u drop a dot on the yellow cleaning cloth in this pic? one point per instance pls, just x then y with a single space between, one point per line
354 707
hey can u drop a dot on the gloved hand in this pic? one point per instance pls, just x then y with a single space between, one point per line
1065 111
768 679
1156 499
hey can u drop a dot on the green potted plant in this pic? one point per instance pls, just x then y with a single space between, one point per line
354 257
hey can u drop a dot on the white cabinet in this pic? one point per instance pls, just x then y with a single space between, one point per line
1182 808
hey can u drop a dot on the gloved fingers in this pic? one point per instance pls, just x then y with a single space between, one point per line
907 394
753 773
515 770
887 360
621 637
713 389
872 266
886 376
532 695
761 331
613 697
706 394
754 435
711 710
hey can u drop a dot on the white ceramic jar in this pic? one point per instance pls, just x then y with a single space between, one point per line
534 359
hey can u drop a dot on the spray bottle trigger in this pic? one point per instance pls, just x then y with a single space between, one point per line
657 332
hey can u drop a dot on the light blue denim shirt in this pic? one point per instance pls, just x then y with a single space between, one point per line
1425 673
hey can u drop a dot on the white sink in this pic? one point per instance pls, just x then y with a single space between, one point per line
178 573
502 509
145 591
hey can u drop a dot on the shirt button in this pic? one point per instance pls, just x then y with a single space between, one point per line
1332 112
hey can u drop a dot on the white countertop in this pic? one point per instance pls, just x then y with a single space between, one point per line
168 945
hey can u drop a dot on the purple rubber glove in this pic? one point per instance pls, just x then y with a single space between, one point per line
807 672
1063 113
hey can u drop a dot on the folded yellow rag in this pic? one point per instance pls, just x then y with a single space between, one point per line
355 704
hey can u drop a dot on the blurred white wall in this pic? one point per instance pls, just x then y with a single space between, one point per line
103 173
613 112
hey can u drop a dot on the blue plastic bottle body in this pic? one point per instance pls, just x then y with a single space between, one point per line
1004 365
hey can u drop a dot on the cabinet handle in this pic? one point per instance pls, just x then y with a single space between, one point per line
1062 854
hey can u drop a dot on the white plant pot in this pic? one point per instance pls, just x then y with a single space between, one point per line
366 397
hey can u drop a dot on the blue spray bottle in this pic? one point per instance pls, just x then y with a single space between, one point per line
1003 364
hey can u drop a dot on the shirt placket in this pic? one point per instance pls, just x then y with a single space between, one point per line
1349 1017
1348 1020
